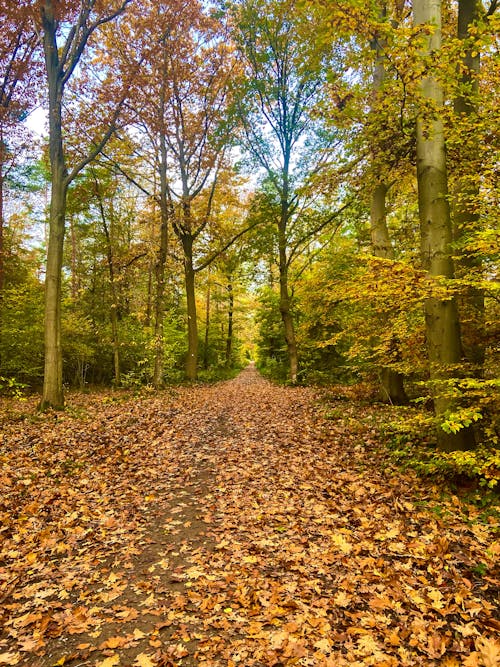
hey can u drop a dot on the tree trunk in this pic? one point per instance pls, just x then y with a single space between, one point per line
207 323
465 196
2 220
229 339
392 381
441 315
189 278
52 395
113 311
162 260
285 310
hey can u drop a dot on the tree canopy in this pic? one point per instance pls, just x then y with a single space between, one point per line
310 186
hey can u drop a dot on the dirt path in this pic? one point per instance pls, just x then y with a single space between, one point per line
230 525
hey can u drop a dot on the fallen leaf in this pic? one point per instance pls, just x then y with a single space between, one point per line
144 660
109 662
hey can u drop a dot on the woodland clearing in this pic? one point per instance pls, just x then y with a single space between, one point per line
233 524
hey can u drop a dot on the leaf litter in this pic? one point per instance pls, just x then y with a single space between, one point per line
232 525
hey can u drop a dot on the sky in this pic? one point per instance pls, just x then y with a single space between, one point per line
37 120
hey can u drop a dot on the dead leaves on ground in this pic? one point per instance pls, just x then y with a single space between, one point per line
231 525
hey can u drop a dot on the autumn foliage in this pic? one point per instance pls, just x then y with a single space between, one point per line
241 523
305 188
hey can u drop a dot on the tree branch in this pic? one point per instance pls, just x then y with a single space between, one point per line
219 252
316 230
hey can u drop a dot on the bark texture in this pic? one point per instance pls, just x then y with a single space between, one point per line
192 324
466 193
53 373
160 268
441 314
392 382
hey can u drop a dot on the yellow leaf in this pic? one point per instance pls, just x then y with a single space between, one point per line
62 661
143 660
324 645
490 651
250 559
139 634
340 542
109 662
9 658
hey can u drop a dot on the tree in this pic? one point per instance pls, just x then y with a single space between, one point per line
441 313
63 49
467 170
18 72
186 74
391 380
282 79
196 140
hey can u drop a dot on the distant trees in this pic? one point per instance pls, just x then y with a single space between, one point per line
282 80
334 163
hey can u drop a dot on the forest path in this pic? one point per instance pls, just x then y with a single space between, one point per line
231 525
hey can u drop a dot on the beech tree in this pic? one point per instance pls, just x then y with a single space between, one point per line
66 31
391 380
193 112
441 312
467 170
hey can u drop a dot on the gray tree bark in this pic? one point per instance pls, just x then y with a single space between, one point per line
441 315
60 64
392 382
465 195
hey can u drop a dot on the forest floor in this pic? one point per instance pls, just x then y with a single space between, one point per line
233 524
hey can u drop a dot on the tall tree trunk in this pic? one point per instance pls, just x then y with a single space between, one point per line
189 279
113 311
53 395
286 314
392 381
441 315
230 311
465 196
2 219
52 384
285 308
207 323
162 259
